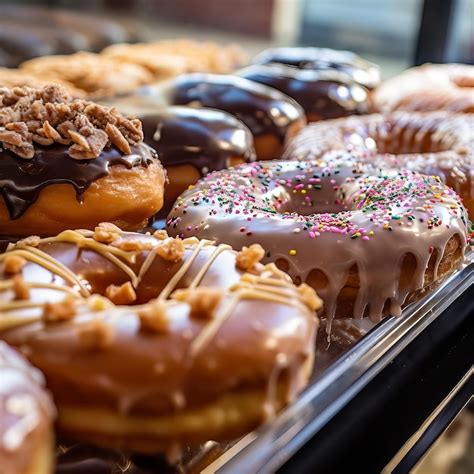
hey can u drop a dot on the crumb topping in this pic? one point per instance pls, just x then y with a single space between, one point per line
171 250
50 115
106 233
61 311
96 335
13 264
202 300
153 318
21 289
248 257
121 295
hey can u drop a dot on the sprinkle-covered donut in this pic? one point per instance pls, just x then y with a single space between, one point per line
271 116
368 242
323 94
438 143
191 141
67 163
355 67
26 417
148 342
429 87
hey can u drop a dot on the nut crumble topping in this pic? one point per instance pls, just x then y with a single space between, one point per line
202 300
50 115
248 257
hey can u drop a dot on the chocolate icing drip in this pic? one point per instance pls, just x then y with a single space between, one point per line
22 180
356 68
262 109
322 94
203 138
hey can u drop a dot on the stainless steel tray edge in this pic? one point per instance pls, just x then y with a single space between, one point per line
266 449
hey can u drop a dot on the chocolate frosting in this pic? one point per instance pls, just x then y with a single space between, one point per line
262 109
22 180
356 68
322 94
204 138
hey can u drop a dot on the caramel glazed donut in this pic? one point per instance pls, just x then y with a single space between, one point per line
190 142
188 342
434 143
368 242
67 162
427 88
26 417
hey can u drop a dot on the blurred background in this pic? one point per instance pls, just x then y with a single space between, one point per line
393 33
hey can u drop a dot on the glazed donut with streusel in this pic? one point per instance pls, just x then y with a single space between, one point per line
438 143
26 417
271 116
426 88
148 342
66 162
190 142
358 69
323 94
369 242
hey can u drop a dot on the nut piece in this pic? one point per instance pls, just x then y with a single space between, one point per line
98 303
248 257
160 234
20 288
31 241
309 297
58 312
171 250
13 264
153 318
121 295
106 233
202 300
132 244
96 334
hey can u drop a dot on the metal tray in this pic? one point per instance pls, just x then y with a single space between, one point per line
356 354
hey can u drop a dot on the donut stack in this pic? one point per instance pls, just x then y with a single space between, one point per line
175 229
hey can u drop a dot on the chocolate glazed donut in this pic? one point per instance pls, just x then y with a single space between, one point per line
355 67
322 94
190 142
271 116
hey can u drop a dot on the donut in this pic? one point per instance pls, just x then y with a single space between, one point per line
96 75
438 143
271 116
67 162
149 343
26 417
190 142
369 242
323 94
356 68
172 57
426 88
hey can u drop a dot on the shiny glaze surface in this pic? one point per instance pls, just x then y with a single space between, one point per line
193 362
327 216
355 67
22 180
262 109
322 94
26 412
204 138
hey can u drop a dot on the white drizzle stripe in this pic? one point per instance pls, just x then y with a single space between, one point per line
205 268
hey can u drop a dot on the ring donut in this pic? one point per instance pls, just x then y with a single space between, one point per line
355 67
438 143
323 94
368 242
426 88
71 163
183 346
26 417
